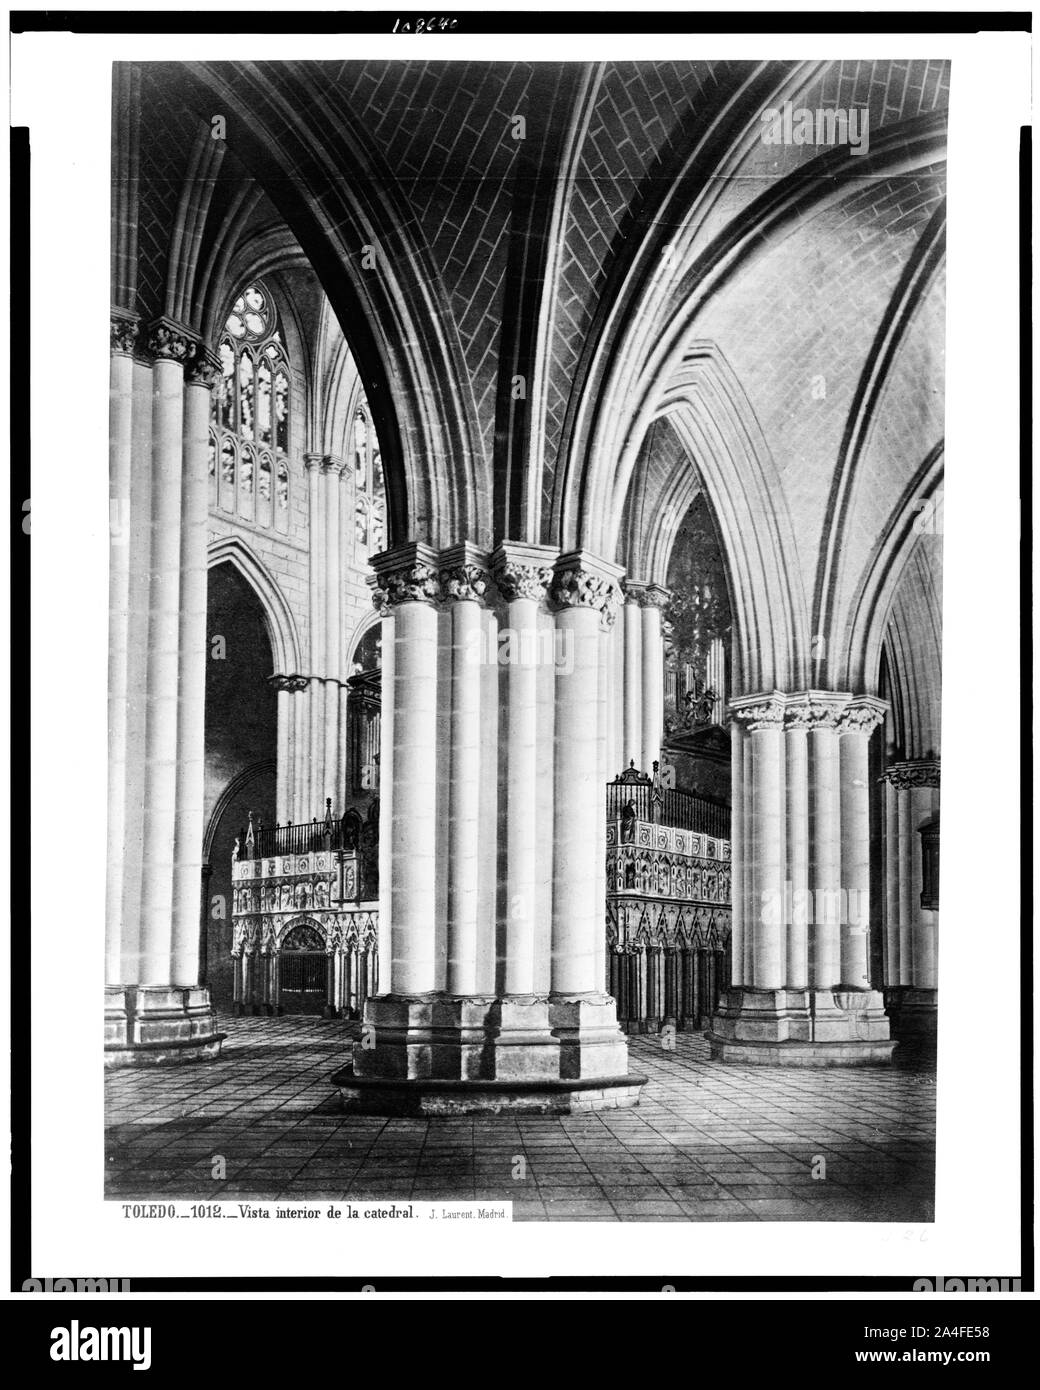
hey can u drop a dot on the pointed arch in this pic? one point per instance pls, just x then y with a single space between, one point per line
859 657
319 171
237 783
707 407
655 314
924 264
913 654
363 628
285 642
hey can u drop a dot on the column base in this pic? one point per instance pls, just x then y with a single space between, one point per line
149 1025
441 1054
914 1013
801 1028
591 1043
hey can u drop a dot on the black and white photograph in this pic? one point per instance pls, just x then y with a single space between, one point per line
525 735
523 694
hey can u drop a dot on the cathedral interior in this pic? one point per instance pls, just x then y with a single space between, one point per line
524 701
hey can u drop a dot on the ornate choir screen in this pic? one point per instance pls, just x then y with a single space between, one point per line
305 913
669 913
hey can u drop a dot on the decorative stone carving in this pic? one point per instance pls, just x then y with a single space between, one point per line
815 709
862 715
522 570
811 709
918 772
293 682
577 584
516 581
465 583
646 595
759 711
171 342
407 575
124 329
203 369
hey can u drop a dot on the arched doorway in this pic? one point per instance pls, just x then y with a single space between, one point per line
697 630
303 970
241 744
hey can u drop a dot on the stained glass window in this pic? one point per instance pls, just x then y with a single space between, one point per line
251 407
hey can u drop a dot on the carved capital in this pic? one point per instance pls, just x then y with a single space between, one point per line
408 574
465 583
523 581
465 574
581 581
124 328
203 369
522 571
759 711
916 772
169 341
331 463
312 462
863 715
646 595
656 596
815 709
379 602
293 682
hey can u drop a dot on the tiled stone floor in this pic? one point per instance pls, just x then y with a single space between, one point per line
708 1141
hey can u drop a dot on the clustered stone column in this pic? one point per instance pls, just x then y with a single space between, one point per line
201 376
633 702
655 600
155 1007
464 579
643 671
494 995
314 718
331 788
318 723
584 595
523 575
124 333
911 921
801 991
290 790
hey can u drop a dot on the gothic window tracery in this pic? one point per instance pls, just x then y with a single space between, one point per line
369 487
249 424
